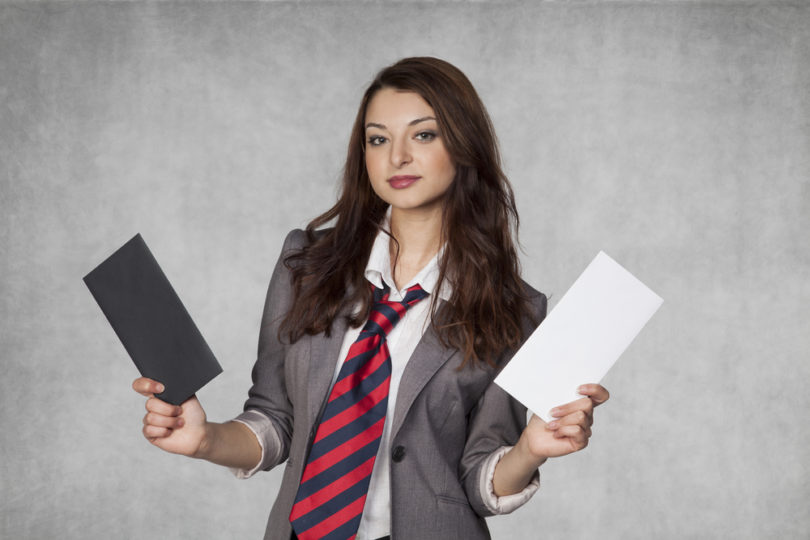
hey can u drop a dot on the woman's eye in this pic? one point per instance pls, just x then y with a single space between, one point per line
376 140
425 136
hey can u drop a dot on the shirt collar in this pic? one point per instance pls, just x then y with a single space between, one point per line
378 268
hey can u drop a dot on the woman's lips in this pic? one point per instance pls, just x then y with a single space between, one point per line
402 181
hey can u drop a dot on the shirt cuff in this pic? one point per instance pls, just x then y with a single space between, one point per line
268 438
507 503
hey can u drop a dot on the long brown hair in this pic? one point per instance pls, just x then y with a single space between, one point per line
488 306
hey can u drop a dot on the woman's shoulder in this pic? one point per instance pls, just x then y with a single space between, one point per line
298 239
537 300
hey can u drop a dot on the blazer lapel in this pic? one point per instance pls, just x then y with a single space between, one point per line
324 352
425 361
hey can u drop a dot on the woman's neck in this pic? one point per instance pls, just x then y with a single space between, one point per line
419 236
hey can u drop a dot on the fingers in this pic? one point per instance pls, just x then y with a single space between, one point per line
576 418
153 432
573 420
161 418
147 387
576 424
577 434
158 406
157 420
584 405
596 392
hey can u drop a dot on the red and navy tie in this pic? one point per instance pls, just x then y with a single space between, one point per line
333 488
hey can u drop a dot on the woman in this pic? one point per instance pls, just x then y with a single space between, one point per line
392 427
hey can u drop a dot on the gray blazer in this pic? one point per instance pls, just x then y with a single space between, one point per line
446 422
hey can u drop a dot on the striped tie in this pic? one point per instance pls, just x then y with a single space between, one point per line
333 488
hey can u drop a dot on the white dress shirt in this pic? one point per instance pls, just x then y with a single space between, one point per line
402 341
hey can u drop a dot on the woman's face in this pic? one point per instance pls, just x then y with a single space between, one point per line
406 159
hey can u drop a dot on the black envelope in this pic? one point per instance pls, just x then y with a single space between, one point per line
151 321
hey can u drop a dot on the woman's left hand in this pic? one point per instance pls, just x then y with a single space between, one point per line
570 429
567 433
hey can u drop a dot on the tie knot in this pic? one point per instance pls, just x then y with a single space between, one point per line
386 313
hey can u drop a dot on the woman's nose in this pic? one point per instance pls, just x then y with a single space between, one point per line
400 154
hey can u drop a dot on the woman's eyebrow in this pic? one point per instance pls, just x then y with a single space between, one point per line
411 123
423 119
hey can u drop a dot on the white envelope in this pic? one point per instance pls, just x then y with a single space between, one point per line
582 337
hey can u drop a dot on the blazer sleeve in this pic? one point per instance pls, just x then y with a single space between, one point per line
497 420
268 394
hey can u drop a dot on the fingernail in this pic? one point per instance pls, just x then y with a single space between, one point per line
160 388
180 422
581 389
554 412
553 425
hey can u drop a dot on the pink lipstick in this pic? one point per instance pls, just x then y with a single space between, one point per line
402 181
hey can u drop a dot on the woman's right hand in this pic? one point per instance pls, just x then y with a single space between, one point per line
176 429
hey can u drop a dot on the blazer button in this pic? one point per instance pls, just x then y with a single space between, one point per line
398 454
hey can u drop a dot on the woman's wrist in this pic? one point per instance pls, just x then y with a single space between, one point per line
516 468
231 444
205 448
526 455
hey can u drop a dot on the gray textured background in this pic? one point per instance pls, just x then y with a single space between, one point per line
672 135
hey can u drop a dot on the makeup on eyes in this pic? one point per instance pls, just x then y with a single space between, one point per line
424 136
